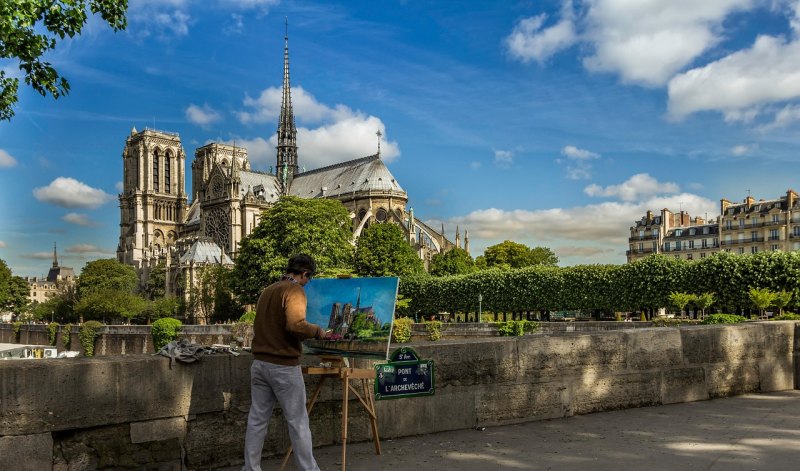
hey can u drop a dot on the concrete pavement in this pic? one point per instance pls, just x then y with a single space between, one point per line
754 432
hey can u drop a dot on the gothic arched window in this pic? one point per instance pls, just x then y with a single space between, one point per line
381 215
155 170
167 161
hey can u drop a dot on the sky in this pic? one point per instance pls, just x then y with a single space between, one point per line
550 123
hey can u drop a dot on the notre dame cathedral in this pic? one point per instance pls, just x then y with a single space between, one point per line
158 224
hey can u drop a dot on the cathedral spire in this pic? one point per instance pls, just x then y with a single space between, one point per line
287 133
55 256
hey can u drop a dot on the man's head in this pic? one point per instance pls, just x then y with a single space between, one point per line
302 266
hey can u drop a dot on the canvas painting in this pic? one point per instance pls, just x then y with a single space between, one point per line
358 311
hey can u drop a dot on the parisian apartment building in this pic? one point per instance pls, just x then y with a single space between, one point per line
748 227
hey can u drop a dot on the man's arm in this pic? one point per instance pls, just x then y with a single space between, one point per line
296 322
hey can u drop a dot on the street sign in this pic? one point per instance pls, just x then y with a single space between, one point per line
404 376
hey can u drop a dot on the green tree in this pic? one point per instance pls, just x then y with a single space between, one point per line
5 279
509 254
17 298
455 261
782 298
680 300
318 227
762 298
106 275
109 305
156 285
382 250
703 302
159 308
31 28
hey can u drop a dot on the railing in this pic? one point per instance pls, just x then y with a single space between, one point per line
743 241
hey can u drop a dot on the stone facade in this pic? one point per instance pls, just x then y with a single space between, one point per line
742 228
58 280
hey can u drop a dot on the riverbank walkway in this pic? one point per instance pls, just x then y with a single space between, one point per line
753 432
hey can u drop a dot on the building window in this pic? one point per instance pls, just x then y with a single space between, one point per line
774 247
641 234
166 173
705 230
692 231
641 247
753 249
381 215
155 170
691 244
655 232
741 222
796 230
688 256
776 218
773 234
704 243
754 221
728 224
702 255
754 236
741 250
677 245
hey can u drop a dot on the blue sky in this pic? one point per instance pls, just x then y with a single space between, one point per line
552 123
379 293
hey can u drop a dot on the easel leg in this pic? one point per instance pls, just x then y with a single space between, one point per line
373 418
309 406
345 399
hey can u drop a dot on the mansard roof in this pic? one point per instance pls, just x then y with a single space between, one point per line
205 251
364 174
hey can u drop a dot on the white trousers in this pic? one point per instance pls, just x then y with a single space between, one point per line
269 383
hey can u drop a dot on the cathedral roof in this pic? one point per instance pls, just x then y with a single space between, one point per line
364 174
256 182
205 251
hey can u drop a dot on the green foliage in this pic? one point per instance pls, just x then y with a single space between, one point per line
248 317
401 329
17 298
110 305
455 261
106 275
704 301
723 319
158 308
155 287
29 29
88 333
382 250
789 316
434 329
762 298
17 325
66 336
782 298
680 300
318 227
164 331
672 322
509 254
364 333
211 298
643 317
5 278
52 333
516 328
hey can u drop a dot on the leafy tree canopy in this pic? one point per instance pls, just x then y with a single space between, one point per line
30 28
109 304
106 274
382 250
5 279
155 287
318 227
453 262
509 254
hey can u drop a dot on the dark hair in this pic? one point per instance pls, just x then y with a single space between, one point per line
301 263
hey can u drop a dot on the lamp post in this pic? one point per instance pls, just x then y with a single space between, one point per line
480 301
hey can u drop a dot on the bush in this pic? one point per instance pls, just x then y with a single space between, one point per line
787 317
52 333
164 331
672 322
249 317
88 334
17 325
66 336
516 328
401 330
723 319
434 329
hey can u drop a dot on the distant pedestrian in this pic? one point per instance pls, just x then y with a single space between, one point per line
275 375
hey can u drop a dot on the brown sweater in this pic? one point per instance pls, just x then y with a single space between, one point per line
281 325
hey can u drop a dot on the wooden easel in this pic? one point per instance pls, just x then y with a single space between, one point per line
340 369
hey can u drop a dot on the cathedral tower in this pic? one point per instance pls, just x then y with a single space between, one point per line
287 132
153 200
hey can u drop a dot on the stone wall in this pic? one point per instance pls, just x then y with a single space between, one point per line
125 412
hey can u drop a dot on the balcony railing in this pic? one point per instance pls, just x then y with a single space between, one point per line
743 241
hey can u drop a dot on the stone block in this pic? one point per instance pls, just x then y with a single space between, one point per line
653 348
449 409
26 452
159 429
523 403
597 392
776 373
730 379
683 385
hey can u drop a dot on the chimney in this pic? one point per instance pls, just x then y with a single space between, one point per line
749 201
723 205
791 196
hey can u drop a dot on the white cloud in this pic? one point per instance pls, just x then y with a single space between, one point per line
88 248
79 220
2 244
530 41
786 116
70 193
599 232
248 4
343 134
574 153
6 160
119 186
475 164
743 149
39 255
635 188
164 18
202 115
768 72
503 158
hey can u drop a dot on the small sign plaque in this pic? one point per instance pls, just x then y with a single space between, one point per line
404 376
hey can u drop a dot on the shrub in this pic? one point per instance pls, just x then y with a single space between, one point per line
723 319
66 336
643 317
401 330
88 334
434 329
52 333
17 326
788 317
164 331
249 317
516 328
618 317
672 322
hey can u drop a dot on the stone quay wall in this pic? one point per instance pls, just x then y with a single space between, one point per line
135 412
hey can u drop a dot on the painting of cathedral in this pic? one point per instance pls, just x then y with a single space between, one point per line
161 223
